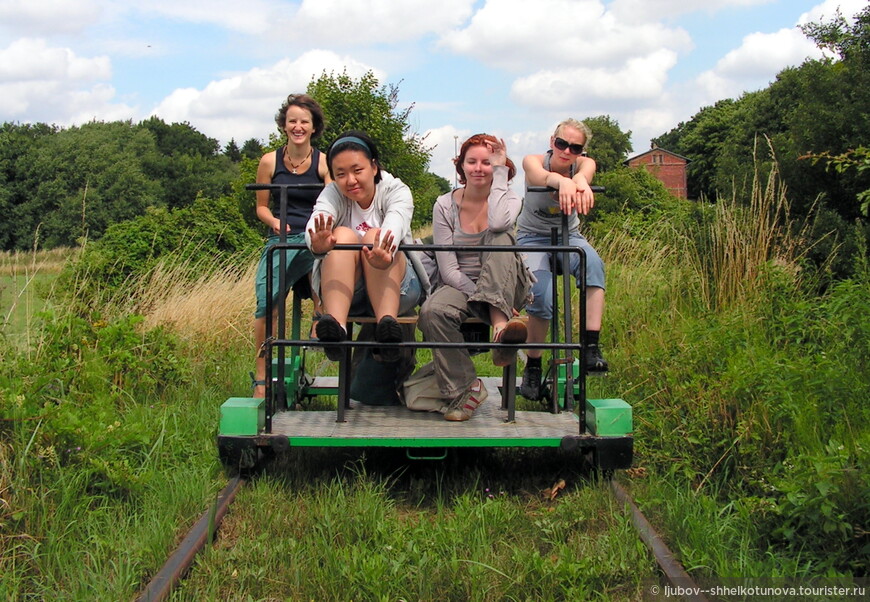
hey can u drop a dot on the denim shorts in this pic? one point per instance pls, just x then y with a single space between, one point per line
299 264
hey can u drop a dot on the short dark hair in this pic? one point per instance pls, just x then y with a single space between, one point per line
354 140
306 102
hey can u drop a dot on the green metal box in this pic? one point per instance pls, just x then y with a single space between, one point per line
608 417
243 416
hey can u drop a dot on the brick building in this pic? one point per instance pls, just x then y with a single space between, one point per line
668 167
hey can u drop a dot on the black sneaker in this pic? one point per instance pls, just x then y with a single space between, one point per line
329 330
531 385
595 362
388 330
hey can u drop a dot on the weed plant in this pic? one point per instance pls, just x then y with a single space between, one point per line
748 386
351 525
749 389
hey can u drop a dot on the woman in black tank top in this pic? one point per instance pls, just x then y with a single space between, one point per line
297 162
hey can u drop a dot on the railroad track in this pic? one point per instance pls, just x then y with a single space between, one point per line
203 531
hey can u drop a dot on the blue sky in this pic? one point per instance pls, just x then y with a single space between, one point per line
513 68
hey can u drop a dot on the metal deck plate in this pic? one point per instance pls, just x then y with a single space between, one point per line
396 425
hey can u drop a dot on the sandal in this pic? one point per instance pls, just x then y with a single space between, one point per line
256 383
513 333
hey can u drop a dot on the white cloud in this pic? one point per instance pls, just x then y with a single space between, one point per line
30 59
755 63
826 10
43 17
54 85
640 79
341 24
557 33
631 11
242 106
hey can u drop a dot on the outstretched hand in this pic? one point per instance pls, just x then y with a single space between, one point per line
322 239
380 255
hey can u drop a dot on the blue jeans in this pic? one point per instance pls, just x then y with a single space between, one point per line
539 264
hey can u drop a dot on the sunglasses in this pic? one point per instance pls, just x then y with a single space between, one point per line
562 144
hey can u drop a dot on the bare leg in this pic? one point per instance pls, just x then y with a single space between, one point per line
537 328
497 318
260 369
384 286
594 307
338 276
318 308
260 364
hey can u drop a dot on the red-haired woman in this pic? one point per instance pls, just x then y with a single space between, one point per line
489 285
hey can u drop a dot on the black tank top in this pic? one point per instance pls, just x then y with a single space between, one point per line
300 202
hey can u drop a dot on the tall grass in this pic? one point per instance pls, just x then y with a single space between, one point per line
749 392
212 307
737 241
747 384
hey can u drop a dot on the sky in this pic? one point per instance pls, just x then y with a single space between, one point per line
512 68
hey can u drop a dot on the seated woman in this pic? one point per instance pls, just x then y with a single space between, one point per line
565 168
487 285
364 204
297 162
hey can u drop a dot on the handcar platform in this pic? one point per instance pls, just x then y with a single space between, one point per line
254 428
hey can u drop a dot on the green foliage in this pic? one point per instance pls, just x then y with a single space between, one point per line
252 149
634 200
365 105
700 140
822 505
848 41
857 159
89 384
77 183
232 151
17 143
609 145
206 230
425 201
62 185
816 109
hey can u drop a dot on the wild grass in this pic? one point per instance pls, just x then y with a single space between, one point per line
21 275
212 308
749 391
478 528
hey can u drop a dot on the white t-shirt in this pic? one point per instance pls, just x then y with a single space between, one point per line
363 220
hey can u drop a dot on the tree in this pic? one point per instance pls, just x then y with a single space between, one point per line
252 149
186 163
232 151
849 42
700 140
365 105
609 145
81 180
180 138
17 143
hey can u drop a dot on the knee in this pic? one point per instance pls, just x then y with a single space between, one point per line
345 235
542 302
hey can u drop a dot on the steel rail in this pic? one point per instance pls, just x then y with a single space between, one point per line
671 567
179 562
